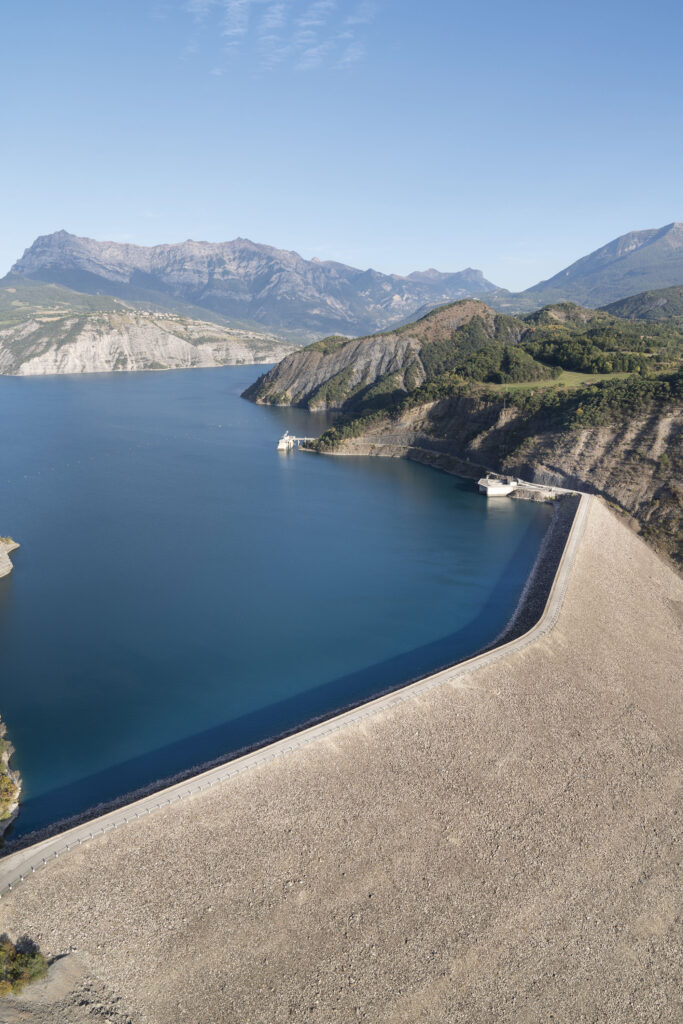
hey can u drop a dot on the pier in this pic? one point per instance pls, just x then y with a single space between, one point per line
287 442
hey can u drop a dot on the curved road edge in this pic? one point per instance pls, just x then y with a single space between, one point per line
19 866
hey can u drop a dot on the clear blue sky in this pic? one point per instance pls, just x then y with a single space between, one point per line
513 137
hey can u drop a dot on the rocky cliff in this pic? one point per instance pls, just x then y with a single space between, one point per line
242 279
127 340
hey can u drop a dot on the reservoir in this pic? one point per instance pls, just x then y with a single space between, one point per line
184 591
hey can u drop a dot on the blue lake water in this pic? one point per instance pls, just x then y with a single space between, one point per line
183 591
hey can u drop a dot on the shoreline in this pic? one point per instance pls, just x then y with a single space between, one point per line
145 369
32 852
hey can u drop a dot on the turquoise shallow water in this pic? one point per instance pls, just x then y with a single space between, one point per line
183 591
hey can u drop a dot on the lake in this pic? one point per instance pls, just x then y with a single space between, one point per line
183 591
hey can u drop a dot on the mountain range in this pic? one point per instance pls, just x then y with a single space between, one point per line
262 297
241 280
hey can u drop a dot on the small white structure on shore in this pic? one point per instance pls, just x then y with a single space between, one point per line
286 442
494 488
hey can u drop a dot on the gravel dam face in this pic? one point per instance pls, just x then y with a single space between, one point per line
183 591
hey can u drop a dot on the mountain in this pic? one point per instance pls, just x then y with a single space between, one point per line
242 280
662 304
636 262
337 372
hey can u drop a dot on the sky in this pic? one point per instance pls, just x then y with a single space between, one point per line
510 137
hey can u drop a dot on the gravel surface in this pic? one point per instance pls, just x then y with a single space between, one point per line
502 848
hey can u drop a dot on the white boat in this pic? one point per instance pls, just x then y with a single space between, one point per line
494 488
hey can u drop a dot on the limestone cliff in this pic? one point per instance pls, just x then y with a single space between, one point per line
78 342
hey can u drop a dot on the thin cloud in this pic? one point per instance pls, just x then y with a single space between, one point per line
199 8
317 14
274 19
236 19
304 35
313 57
351 55
363 15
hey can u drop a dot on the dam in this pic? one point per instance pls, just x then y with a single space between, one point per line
247 594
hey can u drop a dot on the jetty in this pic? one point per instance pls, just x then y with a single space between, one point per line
288 442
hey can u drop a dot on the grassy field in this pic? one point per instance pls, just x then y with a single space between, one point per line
568 379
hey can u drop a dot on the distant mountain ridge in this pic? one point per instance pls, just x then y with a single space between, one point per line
661 304
240 279
636 262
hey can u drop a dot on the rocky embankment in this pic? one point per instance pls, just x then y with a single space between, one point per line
10 785
636 463
128 340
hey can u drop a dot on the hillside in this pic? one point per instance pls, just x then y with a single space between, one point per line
78 341
567 395
633 263
243 280
468 339
662 304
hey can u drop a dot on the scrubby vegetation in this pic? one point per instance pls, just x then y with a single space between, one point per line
551 408
20 964
327 345
604 345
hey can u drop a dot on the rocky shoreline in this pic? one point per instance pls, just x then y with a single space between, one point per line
7 545
10 781
10 785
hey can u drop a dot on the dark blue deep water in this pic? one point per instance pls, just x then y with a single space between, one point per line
183 591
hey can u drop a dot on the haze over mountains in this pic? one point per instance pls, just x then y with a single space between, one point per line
241 280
